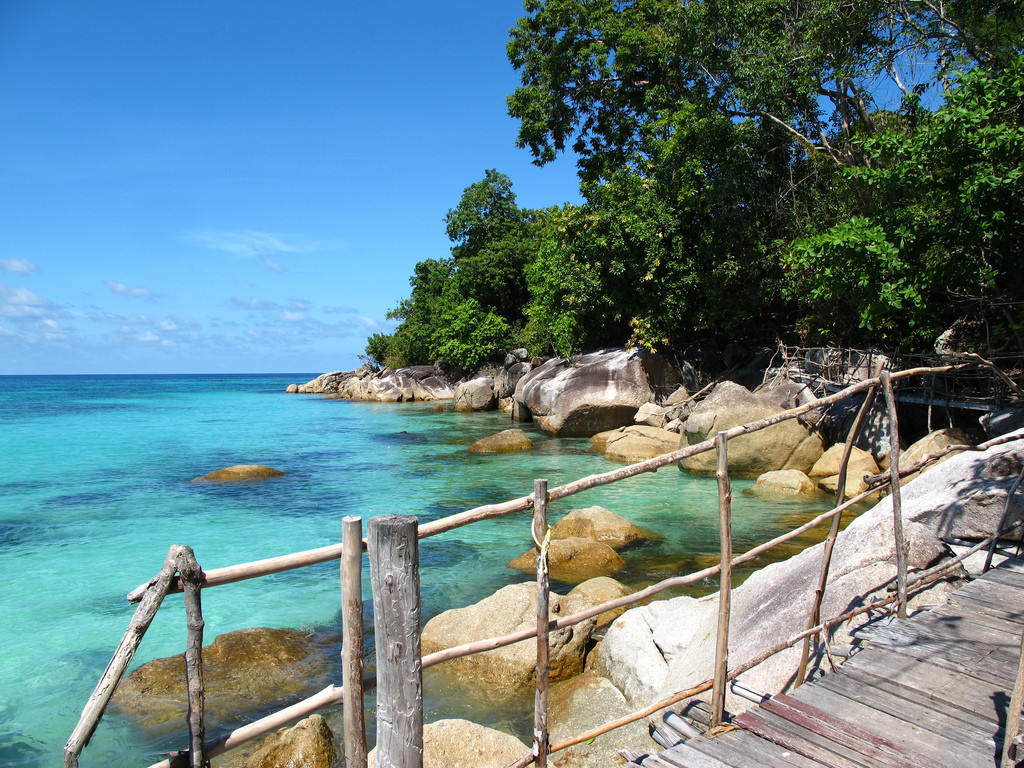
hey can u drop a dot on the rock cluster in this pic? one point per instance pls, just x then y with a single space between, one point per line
593 392
418 382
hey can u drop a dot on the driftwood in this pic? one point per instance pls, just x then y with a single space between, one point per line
725 579
152 596
192 576
352 640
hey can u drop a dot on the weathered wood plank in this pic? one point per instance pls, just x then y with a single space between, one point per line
686 756
736 747
661 760
902 734
784 733
873 688
842 730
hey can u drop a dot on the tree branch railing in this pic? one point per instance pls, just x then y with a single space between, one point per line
181 574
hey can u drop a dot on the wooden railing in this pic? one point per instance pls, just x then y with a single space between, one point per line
393 552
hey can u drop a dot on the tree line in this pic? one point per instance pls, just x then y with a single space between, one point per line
831 171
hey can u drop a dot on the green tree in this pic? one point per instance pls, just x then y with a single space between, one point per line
943 237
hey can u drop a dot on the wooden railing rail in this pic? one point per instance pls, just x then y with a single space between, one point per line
178 574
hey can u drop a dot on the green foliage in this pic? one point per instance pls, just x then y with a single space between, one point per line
377 346
463 309
467 335
943 236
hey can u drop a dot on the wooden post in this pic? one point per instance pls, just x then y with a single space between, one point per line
352 640
395 580
833 529
192 578
894 487
541 537
152 596
725 576
1012 726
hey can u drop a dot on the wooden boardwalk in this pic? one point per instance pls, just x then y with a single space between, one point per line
926 692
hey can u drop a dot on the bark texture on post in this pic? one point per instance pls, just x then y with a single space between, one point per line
395 578
352 640
894 487
542 538
725 578
192 578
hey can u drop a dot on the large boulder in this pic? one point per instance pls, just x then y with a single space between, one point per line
475 395
600 524
462 744
594 392
244 671
933 442
669 645
602 589
507 378
506 441
309 743
860 465
573 560
639 442
787 445
239 473
586 702
510 609
784 483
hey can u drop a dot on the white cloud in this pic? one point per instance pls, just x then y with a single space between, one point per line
135 293
17 267
21 304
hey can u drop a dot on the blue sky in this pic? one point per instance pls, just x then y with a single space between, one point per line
238 186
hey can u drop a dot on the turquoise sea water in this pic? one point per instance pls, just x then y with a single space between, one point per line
93 491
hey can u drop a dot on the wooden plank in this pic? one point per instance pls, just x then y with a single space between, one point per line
867 685
958 612
841 730
783 732
901 734
991 668
956 687
1000 611
686 756
977 640
1009 576
988 592
737 747
661 761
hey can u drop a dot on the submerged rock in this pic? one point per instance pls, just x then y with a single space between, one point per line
600 524
506 441
573 560
239 473
309 743
244 671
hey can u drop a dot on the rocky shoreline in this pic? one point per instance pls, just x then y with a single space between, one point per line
633 405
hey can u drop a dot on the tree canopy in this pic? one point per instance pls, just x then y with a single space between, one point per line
846 170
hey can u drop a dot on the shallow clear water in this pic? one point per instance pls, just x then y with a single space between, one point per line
93 491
